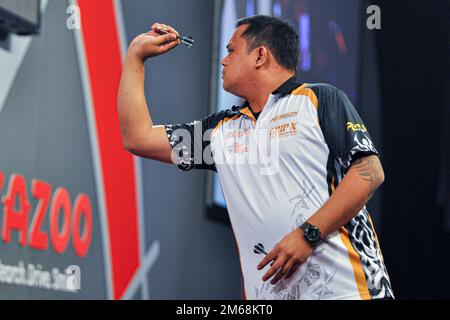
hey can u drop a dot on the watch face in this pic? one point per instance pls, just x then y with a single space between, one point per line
313 234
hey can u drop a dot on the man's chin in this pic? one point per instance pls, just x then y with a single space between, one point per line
226 88
230 89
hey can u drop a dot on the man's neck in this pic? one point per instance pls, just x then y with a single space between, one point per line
257 99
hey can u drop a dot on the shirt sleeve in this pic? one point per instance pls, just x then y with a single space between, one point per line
191 143
345 133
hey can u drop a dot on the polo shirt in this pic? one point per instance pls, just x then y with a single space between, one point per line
276 171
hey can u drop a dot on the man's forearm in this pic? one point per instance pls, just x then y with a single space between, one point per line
355 190
133 112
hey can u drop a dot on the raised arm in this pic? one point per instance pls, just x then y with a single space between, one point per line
139 135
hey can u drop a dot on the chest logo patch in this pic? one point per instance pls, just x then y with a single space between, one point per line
284 130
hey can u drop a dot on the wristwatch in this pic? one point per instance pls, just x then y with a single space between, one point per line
311 233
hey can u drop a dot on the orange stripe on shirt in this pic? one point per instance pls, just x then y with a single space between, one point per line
248 113
303 91
222 122
358 270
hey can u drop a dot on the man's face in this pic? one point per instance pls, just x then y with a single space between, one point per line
238 64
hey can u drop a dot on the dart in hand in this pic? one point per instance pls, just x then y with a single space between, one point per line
187 41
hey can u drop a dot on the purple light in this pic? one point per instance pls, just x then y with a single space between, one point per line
277 9
250 8
304 32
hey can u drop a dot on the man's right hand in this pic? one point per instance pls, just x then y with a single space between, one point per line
152 43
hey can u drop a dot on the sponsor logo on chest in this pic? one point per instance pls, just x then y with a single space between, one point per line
284 130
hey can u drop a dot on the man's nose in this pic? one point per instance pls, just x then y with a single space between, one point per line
223 62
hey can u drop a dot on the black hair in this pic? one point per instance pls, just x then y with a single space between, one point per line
276 34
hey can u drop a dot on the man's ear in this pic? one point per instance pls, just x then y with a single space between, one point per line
261 56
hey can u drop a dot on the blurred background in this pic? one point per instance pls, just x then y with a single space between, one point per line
80 218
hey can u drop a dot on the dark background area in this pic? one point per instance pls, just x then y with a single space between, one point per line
413 56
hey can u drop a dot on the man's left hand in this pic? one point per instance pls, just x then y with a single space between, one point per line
287 256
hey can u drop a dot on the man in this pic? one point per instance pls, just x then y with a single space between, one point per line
302 229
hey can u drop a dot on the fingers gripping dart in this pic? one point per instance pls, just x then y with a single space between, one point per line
187 41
